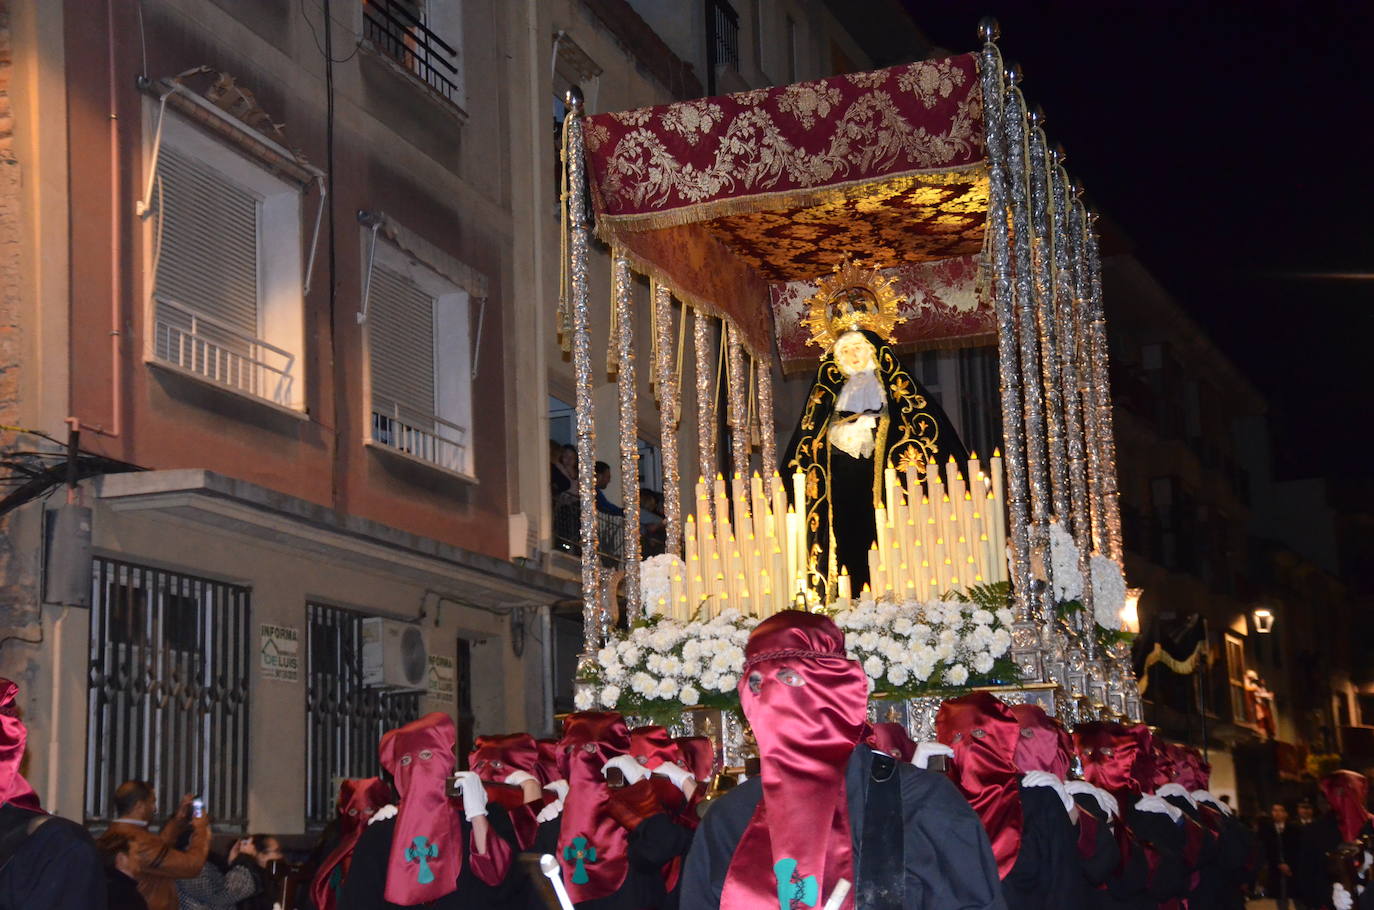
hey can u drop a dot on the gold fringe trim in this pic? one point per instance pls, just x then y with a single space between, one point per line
608 225
1160 656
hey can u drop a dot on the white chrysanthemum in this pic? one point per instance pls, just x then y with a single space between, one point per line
920 632
691 649
689 696
610 696
643 684
897 675
1065 578
874 666
654 663
710 681
872 684
982 617
1109 592
671 666
902 625
983 663
726 682
956 675
1005 616
691 669
944 651
583 700
629 654
1001 641
922 667
615 674
607 655
667 688
656 578
948 637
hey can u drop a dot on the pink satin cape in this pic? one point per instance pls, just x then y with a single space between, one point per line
13 737
358 800
984 734
427 846
1044 744
590 739
806 703
1347 791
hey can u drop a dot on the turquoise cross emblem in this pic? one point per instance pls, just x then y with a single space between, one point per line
793 890
422 852
580 852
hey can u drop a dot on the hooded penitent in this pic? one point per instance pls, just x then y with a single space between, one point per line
700 755
806 703
903 426
494 759
1116 758
983 733
593 847
427 845
1044 744
653 745
1346 791
1190 770
893 740
358 800
13 736
1163 756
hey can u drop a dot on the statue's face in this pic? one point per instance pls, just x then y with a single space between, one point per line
854 354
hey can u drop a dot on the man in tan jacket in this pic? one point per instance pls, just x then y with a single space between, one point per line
162 863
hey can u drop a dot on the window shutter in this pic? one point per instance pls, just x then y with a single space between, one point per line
208 261
401 337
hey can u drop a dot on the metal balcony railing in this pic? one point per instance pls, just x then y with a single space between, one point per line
396 31
426 437
208 348
610 530
723 39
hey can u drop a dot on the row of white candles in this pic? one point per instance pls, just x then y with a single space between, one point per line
932 537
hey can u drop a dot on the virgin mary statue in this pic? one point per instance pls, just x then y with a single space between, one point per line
864 414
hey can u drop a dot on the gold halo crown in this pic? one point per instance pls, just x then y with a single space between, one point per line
852 298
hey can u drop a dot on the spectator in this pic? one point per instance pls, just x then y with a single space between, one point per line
1311 885
162 864
223 885
559 479
1281 850
48 862
264 853
121 871
652 527
569 462
603 478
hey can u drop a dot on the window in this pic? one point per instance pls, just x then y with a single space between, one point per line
1235 674
722 38
422 37
345 719
419 349
226 270
168 696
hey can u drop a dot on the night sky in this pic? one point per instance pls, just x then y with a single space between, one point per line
1234 146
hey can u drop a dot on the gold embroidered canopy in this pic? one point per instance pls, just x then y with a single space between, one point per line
733 200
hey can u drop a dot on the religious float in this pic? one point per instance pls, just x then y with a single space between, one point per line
828 227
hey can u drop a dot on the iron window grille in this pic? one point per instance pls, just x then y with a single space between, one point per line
396 29
168 695
345 719
722 39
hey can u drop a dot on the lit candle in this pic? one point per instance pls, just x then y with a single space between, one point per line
843 593
889 489
997 515
799 492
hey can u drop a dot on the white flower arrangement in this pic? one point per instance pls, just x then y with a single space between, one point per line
1065 576
1109 592
656 578
1108 581
664 665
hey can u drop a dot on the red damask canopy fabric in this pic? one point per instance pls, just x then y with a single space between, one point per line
740 202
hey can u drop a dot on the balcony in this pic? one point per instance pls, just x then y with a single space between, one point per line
424 438
610 530
206 348
396 31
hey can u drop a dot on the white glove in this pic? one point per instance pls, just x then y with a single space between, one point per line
1105 801
1202 796
634 772
550 812
1340 898
1156 804
516 778
474 794
1046 779
559 788
1176 790
675 773
382 814
925 750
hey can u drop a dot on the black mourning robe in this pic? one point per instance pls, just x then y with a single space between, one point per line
1098 853
655 843
366 881
1047 875
1208 882
54 863
946 855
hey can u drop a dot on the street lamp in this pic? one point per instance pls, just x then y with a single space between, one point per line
1264 620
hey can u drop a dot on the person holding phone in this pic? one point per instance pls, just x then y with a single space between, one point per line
162 864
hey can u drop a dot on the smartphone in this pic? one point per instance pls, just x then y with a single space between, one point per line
197 808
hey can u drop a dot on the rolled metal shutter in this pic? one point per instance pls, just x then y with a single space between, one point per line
401 333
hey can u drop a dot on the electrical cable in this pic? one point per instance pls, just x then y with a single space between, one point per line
328 48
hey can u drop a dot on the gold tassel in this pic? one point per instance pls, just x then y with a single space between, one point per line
681 346
563 318
612 352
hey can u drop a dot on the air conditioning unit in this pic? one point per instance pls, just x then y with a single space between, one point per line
394 654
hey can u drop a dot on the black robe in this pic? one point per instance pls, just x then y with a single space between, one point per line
945 851
366 882
55 866
655 843
1047 875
